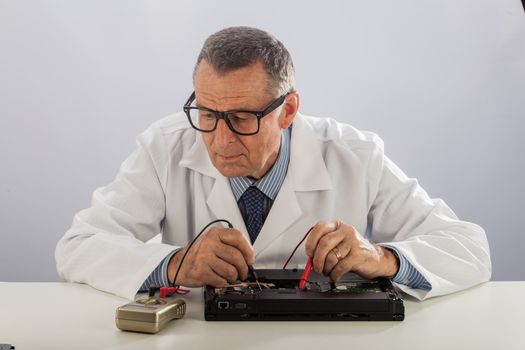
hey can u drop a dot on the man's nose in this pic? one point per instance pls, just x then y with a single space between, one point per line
223 135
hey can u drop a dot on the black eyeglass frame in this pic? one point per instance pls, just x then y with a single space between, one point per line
223 115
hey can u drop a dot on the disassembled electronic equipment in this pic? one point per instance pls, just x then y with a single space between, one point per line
277 295
149 314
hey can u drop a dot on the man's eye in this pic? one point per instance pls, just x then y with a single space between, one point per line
239 117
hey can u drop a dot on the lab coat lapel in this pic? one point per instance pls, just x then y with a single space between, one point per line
220 199
306 172
285 211
223 205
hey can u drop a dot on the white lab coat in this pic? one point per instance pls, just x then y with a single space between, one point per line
169 186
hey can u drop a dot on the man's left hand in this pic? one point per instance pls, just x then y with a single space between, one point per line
337 248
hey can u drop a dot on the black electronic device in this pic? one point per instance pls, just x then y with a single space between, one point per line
277 296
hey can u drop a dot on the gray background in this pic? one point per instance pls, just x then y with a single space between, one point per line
443 83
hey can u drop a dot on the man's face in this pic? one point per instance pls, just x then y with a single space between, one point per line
243 89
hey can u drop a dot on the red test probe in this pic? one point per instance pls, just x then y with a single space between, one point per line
306 274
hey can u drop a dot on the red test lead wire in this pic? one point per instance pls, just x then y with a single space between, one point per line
297 246
309 263
306 274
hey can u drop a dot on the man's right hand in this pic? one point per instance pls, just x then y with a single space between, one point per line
220 257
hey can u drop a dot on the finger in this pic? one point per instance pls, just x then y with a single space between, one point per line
215 280
330 262
355 260
318 231
223 270
344 248
327 242
234 257
235 238
342 267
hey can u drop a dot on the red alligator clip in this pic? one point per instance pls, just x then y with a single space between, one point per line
168 291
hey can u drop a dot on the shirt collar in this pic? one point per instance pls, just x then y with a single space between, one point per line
270 183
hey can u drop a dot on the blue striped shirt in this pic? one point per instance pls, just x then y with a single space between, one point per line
407 274
270 184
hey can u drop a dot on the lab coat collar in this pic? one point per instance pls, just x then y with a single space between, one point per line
306 172
307 165
197 159
220 200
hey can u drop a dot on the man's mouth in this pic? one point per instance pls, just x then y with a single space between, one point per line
229 158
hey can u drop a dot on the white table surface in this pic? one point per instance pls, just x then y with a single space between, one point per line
74 316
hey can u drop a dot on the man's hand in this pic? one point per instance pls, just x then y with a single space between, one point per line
337 248
222 255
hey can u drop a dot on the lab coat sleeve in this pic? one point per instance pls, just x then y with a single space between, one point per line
106 245
450 254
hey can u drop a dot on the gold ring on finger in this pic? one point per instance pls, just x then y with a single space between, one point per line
337 253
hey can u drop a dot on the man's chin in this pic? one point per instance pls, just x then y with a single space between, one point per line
231 170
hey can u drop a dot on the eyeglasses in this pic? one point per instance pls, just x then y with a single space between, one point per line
241 122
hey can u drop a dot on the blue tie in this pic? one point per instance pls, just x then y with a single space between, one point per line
254 203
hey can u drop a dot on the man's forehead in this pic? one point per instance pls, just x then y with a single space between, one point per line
247 85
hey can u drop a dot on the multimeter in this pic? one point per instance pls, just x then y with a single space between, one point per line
149 314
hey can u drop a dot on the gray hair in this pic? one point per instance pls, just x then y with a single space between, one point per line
238 47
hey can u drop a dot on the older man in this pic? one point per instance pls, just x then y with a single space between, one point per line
241 151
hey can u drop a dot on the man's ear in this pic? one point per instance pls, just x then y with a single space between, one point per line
290 109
